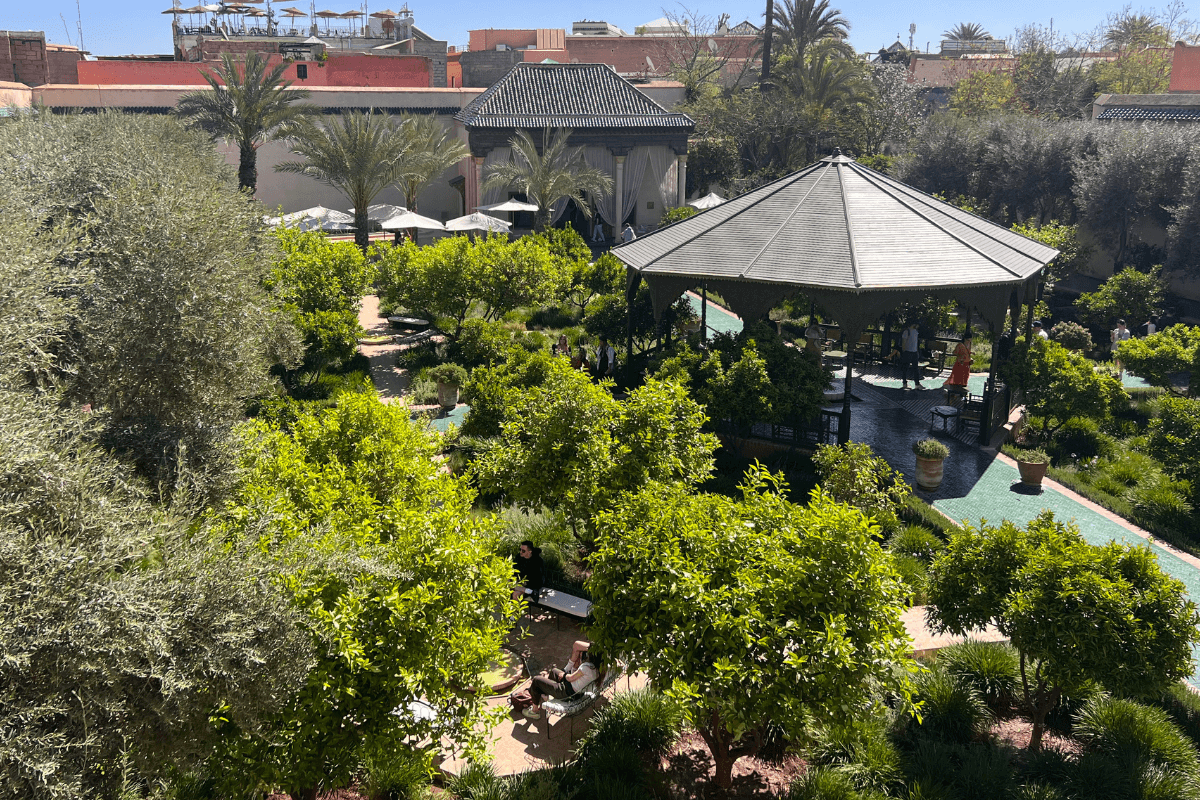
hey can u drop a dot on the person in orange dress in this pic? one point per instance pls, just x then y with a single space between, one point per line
962 363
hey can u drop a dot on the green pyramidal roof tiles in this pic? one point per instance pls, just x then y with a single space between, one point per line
839 225
567 96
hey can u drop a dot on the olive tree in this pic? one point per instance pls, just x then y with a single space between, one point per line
1075 612
753 613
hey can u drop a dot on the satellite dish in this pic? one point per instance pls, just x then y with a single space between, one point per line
650 64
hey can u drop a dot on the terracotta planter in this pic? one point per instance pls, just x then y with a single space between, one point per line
1032 474
447 395
929 473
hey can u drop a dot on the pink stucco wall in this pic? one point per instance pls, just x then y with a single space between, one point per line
367 71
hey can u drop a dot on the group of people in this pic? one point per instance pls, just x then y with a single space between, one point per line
1117 335
603 364
581 669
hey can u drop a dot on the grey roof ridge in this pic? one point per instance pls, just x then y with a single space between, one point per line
886 187
782 225
849 230
858 290
783 182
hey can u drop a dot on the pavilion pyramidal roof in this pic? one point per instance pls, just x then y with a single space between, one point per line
838 225
567 96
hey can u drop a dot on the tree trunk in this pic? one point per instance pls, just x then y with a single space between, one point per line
362 236
766 51
247 169
1039 719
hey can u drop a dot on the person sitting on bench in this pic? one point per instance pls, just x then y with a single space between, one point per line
580 672
531 570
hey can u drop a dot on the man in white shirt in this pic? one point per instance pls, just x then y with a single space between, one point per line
909 341
606 359
628 235
1038 330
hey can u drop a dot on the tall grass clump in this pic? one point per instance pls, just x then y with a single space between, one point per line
991 668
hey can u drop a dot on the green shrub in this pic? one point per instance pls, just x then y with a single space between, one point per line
644 720
533 341
1072 336
1182 705
917 511
953 709
449 373
395 773
478 781
852 473
822 783
915 575
480 343
992 669
930 448
916 541
423 392
863 753
1163 501
1175 438
1135 735
672 215
561 551
552 317
1080 439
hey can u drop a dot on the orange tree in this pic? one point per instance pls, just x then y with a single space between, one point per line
753 613
1074 611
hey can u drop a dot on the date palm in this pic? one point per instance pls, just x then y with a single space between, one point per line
803 23
247 106
1135 30
358 155
431 151
548 174
966 32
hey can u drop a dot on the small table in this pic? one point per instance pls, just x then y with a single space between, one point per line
944 413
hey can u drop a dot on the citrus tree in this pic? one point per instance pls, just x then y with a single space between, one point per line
395 578
567 444
752 613
1060 384
1074 611
1162 355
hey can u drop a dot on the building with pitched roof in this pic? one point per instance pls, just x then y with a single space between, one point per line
623 132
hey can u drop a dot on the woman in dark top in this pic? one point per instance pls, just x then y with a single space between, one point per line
531 572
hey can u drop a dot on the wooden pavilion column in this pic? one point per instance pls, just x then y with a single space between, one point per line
844 420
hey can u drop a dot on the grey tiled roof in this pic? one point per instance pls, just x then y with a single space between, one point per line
838 225
1151 114
567 96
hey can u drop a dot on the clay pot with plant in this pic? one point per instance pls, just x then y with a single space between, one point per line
1032 464
930 454
450 378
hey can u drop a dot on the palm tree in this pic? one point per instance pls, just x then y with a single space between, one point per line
1135 30
546 177
430 152
826 85
805 22
966 32
249 109
358 156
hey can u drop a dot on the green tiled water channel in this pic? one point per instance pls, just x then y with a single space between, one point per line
719 320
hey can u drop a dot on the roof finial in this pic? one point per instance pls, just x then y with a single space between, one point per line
837 151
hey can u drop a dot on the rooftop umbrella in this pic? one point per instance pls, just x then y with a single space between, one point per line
509 205
352 15
328 15
710 200
477 222
386 14
411 219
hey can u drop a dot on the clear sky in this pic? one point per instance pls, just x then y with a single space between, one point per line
119 27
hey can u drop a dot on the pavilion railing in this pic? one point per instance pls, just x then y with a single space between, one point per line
822 429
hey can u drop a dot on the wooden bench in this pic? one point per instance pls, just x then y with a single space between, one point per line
563 605
576 704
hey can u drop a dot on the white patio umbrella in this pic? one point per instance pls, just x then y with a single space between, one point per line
382 211
710 200
509 205
477 222
411 219
315 218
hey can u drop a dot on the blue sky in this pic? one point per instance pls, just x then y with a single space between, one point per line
118 27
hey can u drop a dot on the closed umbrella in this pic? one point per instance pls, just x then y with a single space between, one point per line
710 200
477 222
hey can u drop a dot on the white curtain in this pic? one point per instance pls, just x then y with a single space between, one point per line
664 168
498 155
601 158
556 210
635 170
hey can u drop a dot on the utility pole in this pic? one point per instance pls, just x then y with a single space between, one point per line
766 51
